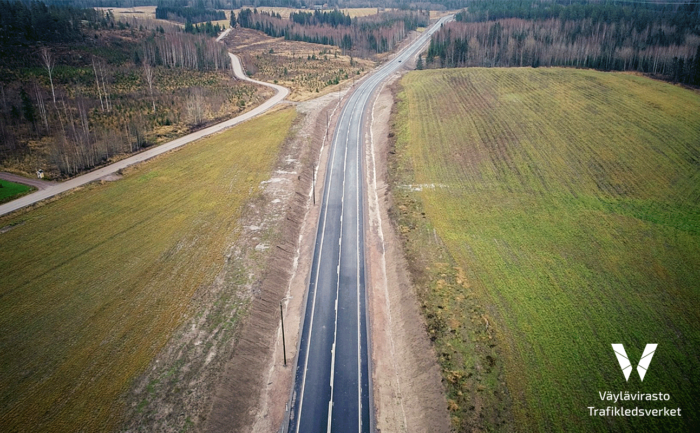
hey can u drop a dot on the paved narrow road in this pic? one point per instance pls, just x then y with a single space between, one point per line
332 377
92 176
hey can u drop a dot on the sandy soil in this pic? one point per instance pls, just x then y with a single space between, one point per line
408 394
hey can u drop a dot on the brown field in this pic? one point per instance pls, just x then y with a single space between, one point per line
308 70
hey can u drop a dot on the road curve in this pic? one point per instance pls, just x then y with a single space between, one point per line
58 188
332 378
36 183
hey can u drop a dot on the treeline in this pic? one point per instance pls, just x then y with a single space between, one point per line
187 51
603 41
363 37
643 14
208 29
26 22
188 14
334 18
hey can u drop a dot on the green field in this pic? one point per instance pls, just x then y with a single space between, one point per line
92 285
10 190
546 214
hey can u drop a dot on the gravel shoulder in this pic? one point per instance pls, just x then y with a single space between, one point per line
253 392
408 393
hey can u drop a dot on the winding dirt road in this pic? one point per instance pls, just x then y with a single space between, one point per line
100 173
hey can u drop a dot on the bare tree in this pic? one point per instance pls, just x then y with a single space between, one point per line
108 101
42 106
49 64
195 106
4 99
148 73
97 82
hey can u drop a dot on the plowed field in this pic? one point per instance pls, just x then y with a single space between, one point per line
547 214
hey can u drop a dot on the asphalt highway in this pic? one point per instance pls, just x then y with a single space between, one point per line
332 377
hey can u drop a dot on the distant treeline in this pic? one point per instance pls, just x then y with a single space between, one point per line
641 14
189 14
335 18
296 4
207 29
23 22
644 38
182 50
203 4
363 36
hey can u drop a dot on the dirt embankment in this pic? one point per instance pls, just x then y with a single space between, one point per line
408 394
253 392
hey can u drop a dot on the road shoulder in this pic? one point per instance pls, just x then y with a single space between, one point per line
408 394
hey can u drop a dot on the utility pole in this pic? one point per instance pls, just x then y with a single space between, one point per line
284 347
313 182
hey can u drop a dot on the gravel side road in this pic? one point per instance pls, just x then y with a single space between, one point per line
62 187
36 183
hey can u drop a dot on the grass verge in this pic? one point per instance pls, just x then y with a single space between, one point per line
94 284
547 214
10 190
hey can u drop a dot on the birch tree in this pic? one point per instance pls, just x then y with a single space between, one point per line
49 64
42 107
148 73
97 83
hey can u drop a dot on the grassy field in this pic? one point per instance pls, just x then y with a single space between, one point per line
546 214
93 284
10 190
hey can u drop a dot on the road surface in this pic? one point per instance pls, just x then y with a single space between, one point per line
92 176
36 183
332 376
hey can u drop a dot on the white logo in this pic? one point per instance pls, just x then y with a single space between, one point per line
625 362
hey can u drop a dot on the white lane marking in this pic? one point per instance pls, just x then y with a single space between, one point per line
362 89
320 255
330 411
337 285
357 287
366 94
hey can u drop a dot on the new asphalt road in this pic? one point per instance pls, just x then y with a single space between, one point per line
332 377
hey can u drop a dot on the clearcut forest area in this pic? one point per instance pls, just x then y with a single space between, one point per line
96 282
547 214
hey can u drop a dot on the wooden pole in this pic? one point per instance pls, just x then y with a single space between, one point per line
284 347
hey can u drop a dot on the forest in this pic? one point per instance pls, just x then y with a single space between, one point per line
188 14
362 37
658 40
209 29
105 88
296 4
22 23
